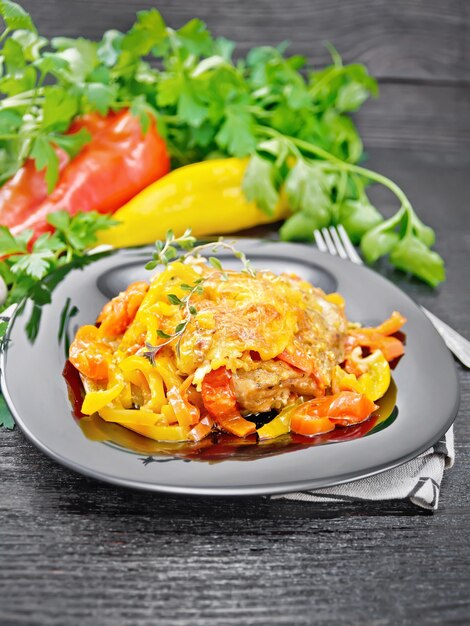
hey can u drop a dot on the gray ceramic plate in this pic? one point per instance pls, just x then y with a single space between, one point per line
37 394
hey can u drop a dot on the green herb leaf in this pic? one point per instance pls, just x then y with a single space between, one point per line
46 157
214 261
9 244
100 97
306 190
411 255
6 418
110 47
259 183
358 217
378 242
59 108
236 135
148 31
173 299
10 122
36 264
163 335
60 220
195 37
15 17
80 55
73 143
298 227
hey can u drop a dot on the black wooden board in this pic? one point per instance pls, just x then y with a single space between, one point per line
74 551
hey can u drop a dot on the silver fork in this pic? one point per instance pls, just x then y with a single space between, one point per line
335 240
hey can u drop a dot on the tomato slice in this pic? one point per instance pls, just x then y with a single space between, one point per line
321 415
220 401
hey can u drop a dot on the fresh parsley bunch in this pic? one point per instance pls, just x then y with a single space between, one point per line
33 270
293 122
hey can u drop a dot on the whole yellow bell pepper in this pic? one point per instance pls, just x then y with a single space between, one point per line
206 197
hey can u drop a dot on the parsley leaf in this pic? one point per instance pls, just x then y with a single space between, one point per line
259 183
6 418
22 267
412 255
35 264
307 191
72 143
236 135
46 158
15 17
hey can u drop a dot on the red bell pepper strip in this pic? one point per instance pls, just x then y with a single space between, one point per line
298 359
202 429
391 325
378 337
295 357
321 415
114 166
219 400
186 414
391 347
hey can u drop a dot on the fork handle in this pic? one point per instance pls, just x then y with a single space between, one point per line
457 344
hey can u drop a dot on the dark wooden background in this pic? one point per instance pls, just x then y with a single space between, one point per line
73 551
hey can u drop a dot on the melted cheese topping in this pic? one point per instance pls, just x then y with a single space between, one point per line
236 313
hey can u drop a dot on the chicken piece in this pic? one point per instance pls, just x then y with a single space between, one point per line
271 385
320 339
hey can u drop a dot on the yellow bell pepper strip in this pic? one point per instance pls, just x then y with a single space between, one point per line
131 417
96 400
335 298
278 426
206 197
161 433
375 380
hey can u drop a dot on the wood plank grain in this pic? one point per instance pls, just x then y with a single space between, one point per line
413 39
74 551
418 117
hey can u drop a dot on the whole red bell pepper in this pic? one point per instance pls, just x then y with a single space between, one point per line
25 191
118 162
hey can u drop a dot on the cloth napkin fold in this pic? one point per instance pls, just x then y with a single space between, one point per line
418 480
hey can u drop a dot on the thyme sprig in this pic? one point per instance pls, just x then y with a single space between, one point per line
189 312
171 249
